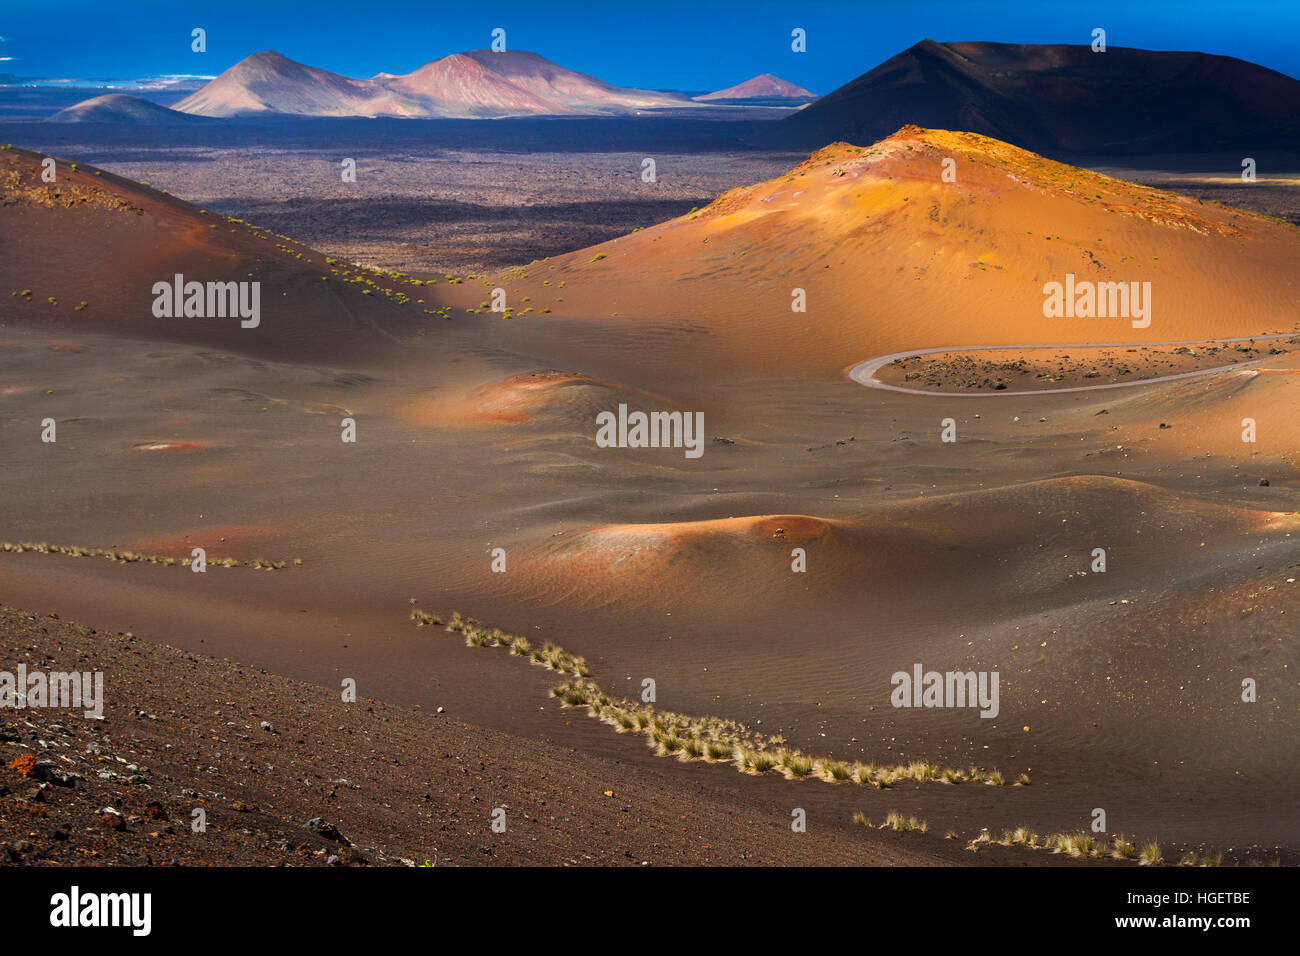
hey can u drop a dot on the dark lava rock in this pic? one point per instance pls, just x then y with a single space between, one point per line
329 831
47 770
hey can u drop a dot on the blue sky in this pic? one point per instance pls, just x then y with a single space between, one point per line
659 43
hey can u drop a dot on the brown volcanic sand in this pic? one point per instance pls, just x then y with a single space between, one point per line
975 554
984 370
262 756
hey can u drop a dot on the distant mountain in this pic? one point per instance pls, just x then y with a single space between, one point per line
120 108
479 83
765 86
1063 99
458 85
268 82
546 86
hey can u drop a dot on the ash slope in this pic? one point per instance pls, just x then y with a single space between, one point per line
889 256
92 237
169 711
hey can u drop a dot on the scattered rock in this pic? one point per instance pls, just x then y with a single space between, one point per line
329 831
48 771
112 818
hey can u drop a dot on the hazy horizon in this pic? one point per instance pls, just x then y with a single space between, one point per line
694 49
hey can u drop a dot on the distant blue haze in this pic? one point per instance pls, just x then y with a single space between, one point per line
696 46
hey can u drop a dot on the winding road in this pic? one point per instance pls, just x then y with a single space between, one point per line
864 373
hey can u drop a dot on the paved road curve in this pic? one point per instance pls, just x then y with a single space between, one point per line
864 373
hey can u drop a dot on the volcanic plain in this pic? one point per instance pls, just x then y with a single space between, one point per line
832 534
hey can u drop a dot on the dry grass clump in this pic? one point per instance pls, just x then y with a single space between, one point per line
864 774
718 740
693 749
922 772
1080 844
1020 836
712 739
900 824
719 751
478 635
753 761
834 771
132 557
794 765
666 743
1085 846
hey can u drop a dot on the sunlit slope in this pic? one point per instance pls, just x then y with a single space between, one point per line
931 238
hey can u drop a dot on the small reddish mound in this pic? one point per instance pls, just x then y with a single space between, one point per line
893 553
627 541
714 562
246 540
518 399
